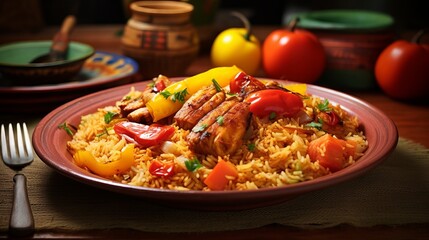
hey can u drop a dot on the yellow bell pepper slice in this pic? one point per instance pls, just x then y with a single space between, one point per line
300 88
86 159
161 107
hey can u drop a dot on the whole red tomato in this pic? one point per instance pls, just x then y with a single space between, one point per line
295 55
402 69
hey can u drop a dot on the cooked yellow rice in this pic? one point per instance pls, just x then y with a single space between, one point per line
279 157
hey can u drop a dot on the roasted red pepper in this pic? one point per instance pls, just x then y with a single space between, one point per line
242 80
144 135
161 169
282 103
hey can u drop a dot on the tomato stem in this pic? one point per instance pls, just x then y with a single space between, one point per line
416 38
292 24
246 23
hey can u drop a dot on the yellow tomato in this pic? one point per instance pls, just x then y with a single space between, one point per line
235 47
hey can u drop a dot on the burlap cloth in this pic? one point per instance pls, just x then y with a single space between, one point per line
395 192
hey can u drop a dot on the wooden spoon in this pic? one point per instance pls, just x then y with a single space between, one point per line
60 43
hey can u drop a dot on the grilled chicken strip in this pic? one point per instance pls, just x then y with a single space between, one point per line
140 115
197 106
194 136
221 137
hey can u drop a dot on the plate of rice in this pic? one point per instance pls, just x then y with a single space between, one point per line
219 140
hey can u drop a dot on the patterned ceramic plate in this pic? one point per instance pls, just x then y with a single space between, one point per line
103 70
50 144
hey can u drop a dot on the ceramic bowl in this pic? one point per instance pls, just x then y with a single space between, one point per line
352 39
15 63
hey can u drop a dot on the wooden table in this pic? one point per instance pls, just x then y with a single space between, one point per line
412 121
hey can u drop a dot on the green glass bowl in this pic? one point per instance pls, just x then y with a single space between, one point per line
353 40
346 20
16 66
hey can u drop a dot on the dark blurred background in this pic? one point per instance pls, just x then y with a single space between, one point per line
27 15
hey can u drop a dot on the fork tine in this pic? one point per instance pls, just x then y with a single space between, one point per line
12 146
21 148
4 151
27 141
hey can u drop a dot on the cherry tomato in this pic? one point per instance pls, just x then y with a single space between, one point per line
159 86
242 80
330 118
145 135
402 69
266 102
159 169
296 55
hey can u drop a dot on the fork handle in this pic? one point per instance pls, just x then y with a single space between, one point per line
21 219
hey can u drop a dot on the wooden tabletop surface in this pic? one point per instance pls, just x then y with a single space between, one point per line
411 119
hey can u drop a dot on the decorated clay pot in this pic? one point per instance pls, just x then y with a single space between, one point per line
160 37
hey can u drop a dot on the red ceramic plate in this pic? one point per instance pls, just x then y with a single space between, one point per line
100 71
50 144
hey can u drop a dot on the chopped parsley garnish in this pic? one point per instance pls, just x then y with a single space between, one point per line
219 120
66 128
272 115
217 86
251 147
324 107
108 117
317 125
166 94
192 164
199 128
128 97
177 96
180 96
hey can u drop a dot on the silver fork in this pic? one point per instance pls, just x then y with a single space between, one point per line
16 154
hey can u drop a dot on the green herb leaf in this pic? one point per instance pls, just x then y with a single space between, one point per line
251 147
180 95
166 94
219 120
324 106
193 164
217 86
108 117
199 128
272 115
66 128
317 125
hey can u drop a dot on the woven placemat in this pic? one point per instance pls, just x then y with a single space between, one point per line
395 192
